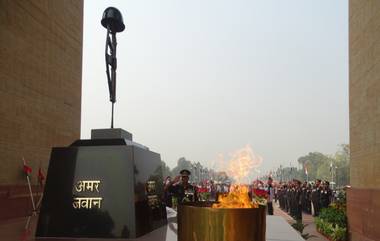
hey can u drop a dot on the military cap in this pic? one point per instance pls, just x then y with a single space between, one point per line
185 172
297 181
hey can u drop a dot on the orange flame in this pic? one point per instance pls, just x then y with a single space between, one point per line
240 165
236 198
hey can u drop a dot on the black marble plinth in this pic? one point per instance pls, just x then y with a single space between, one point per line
114 133
102 188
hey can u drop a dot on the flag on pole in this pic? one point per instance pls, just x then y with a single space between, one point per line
27 169
331 167
306 172
41 176
27 231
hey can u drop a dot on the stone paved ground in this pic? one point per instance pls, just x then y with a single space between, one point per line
307 220
11 230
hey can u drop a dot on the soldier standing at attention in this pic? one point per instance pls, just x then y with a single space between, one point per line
303 197
325 195
308 199
270 196
289 197
285 197
292 200
297 200
316 197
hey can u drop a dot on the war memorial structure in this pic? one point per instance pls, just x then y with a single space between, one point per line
40 89
108 186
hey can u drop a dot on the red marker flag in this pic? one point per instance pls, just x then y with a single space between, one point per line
27 169
41 176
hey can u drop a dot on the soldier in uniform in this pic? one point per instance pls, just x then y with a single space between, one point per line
270 191
297 200
182 189
303 196
316 197
281 196
288 197
325 195
308 199
292 199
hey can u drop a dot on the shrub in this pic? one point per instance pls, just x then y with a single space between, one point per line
332 221
339 233
335 232
334 216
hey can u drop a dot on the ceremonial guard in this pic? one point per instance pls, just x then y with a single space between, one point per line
285 198
288 198
297 200
270 196
325 195
316 197
182 190
292 200
308 199
281 197
304 196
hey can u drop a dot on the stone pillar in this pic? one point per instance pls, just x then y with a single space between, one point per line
363 199
40 90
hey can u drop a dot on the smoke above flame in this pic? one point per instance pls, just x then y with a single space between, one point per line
242 163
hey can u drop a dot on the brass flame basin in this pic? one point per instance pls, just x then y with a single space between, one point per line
203 223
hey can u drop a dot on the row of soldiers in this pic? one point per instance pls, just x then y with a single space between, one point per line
295 197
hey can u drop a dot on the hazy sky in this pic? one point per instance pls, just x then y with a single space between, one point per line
199 78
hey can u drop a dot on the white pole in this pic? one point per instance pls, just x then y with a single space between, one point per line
27 223
30 188
31 194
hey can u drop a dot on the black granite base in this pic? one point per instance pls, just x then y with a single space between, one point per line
102 188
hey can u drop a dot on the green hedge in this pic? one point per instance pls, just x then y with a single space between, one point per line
335 232
334 216
333 223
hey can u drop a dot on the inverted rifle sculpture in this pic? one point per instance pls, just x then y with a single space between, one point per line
113 21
